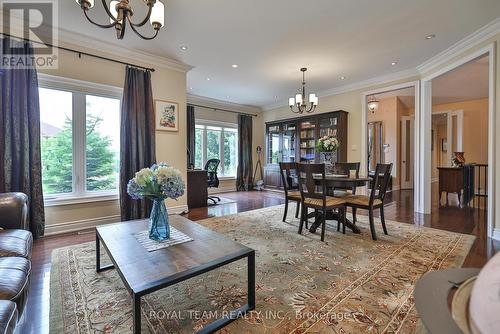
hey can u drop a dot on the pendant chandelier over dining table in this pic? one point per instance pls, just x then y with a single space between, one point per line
120 12
298 103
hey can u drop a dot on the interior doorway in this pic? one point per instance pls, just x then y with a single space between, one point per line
458 181
390 115
407 125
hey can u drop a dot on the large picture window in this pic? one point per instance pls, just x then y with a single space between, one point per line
80 142
217 141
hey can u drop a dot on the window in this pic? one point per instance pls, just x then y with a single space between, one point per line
80 142
217 141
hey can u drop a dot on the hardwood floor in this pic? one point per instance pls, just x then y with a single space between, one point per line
399 208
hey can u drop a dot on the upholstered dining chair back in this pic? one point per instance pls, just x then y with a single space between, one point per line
312 181
380 182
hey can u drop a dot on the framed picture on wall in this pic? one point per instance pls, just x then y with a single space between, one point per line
167 115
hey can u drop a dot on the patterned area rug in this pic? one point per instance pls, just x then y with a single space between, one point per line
348 284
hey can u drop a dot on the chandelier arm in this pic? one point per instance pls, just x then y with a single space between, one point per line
312 108
106 8
142 36
140 24
295 112
98 24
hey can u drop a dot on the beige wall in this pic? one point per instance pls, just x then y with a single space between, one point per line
475 128
170 146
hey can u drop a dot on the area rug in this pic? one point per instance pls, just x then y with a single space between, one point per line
348 284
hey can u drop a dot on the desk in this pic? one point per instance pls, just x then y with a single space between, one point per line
197 188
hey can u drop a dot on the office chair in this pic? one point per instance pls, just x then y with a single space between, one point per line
213 181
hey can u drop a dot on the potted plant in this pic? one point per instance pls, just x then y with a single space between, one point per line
157 183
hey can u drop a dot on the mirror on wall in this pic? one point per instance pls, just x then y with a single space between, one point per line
375 145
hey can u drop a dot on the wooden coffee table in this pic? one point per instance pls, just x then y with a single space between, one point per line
143 272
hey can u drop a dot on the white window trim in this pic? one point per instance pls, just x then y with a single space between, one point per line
79 89
205 122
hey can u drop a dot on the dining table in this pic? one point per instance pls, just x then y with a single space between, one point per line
336 181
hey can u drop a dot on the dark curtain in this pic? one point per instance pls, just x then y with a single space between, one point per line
137 138
244 180
190 135
20 156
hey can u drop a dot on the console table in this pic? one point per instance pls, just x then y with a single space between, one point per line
459 180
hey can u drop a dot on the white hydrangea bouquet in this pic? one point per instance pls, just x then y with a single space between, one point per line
327 144
157 183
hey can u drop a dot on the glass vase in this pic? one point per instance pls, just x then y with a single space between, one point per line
159 228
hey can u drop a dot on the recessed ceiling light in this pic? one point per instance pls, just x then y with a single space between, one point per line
394 63
191 88
342 78
208 79
234 66
275 97
431 36
184 48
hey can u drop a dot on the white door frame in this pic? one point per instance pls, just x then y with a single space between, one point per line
364 125
424 119
404 137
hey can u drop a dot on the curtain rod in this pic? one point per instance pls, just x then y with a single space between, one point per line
215 109
80 53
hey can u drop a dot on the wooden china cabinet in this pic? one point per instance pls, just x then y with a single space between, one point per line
294 140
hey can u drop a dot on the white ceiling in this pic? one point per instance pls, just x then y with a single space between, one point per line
271 40
467 82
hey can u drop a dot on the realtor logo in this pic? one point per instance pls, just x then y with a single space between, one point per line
33 21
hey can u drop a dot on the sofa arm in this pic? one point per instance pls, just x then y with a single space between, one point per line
13 211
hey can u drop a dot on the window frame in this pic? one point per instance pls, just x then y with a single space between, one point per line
79 90
205 123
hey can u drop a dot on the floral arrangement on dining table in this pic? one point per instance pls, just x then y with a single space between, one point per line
158 182
327 144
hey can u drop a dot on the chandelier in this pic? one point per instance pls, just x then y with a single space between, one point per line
299 101
372 103
120 13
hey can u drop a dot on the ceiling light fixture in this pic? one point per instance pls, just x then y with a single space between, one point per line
184 48
394 63
234 66
208 79
431 36
299 100
120 12
342 78
372 103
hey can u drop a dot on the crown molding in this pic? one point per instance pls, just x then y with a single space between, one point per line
380 80
121 52
220 104
479 36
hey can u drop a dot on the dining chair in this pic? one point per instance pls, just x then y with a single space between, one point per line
288 171
346 168
313 192
375 200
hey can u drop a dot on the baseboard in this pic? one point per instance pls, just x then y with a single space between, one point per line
496 234
85 224
221 190
78 225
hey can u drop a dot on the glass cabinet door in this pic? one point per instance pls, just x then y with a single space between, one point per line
288 134
273 144
307 132
328 126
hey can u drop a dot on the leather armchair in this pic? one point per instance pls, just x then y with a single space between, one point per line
14 211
